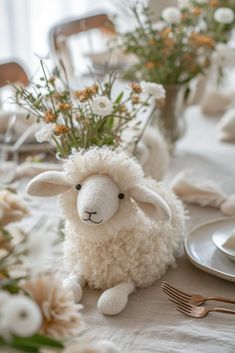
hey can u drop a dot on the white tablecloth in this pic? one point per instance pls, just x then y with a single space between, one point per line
150 323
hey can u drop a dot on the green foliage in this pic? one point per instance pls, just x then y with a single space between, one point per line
172 53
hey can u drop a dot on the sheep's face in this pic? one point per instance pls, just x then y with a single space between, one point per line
98 199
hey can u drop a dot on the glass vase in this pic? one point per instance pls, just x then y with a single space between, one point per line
169 115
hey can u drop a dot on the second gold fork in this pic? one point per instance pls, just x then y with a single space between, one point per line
179 296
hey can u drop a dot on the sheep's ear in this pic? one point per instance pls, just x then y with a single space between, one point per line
150 202
48 184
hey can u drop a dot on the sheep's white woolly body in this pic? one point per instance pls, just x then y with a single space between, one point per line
141 249
122 230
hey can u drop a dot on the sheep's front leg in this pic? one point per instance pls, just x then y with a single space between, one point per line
115 299
75 283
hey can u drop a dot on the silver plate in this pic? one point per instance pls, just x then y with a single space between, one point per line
203 253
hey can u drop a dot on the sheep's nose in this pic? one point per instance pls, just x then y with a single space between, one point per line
90 213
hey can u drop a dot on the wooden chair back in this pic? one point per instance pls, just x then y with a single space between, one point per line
59 34
12 72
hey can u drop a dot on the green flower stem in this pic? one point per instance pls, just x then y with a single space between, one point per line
48 86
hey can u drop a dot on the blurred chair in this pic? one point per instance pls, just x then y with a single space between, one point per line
60 33
12 72
12 122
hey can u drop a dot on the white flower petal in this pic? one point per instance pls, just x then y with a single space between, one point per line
21 316
171 15
102 106
224 15
153 89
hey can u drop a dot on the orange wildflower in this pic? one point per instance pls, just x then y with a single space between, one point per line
87 92
122 108
135 99
214 3
49 117
84 94
135 86
61 129
202 40
196 11
150 65
64 106
94 88
165 32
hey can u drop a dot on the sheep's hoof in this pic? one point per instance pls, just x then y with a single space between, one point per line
71 284
112 301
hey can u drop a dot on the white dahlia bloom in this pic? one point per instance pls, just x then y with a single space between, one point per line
21 316
171 15
102 106
153 89
224 15
45 133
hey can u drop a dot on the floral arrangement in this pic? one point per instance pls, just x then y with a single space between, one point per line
36 313
179 46
83 118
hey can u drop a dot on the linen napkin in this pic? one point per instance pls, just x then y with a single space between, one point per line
215 102
202 192
152 153
226 126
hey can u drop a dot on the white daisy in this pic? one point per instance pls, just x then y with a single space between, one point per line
21 316
102 106
171 15
45 133
155 90
224 15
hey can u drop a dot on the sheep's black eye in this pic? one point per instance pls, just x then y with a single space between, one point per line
78 186
121 196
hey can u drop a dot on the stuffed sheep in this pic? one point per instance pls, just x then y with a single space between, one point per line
122 230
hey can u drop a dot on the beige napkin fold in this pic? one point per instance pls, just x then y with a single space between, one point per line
215 102
152 153
226 126
202 192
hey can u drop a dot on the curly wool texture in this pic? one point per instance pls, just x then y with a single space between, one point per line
103 161
129 246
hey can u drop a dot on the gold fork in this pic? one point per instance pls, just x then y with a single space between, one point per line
200 311
178 296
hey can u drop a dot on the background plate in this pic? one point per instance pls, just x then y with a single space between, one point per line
203 253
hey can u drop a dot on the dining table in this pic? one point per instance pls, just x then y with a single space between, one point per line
150 322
